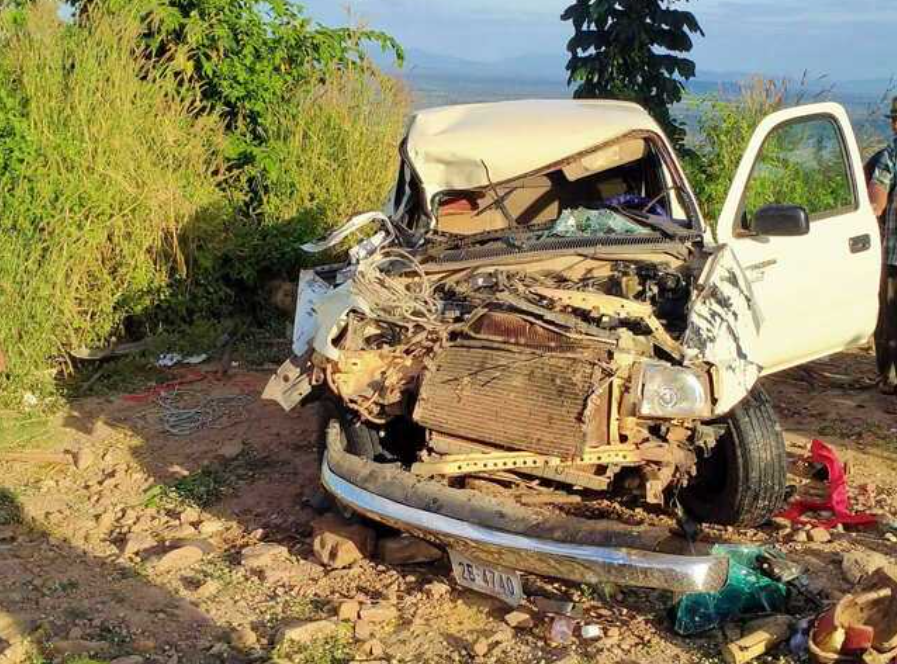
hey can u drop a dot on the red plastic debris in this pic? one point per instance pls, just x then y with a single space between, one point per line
162 388
837 502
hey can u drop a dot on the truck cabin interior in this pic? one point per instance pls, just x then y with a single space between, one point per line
628 172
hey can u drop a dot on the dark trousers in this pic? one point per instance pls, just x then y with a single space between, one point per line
886 334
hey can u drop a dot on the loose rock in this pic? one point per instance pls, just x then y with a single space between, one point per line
130 659
364 630
338 543
348 611
820 535
208 589
336 551
372 648
856 565
378 614
781 523
84 459
136 543
407 551
437 590
303 632
75 647
178 559
244 638
262 555
211 527
481 648
519 620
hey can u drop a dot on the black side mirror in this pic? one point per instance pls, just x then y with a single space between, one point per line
780 220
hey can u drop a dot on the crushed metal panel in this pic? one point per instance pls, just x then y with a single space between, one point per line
724 324
291 384
311 290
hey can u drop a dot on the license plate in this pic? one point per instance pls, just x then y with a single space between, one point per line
485 578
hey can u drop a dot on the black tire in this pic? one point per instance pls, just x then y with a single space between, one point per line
360 439
743 480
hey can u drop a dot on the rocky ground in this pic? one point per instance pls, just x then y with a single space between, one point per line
122 542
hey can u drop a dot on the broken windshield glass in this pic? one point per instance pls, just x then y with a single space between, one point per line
603 221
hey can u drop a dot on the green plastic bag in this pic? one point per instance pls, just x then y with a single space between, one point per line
747 592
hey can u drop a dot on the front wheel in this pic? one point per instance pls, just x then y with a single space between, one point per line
743 480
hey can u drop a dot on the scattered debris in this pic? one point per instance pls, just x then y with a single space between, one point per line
747 592
168 360
862 626
762 636
835 501
590 632
184 412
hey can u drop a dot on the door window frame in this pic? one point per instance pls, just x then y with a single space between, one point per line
741 231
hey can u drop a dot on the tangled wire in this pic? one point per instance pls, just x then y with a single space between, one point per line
392 294
184 412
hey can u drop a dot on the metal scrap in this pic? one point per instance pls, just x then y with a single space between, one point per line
184 412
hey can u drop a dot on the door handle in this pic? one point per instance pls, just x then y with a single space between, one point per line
860 243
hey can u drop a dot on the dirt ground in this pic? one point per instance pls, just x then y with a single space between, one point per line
86 567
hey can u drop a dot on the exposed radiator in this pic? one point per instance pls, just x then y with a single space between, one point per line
523 400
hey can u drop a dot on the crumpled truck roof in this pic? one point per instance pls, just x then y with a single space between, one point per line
447 146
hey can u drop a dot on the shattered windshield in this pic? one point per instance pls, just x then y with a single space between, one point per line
587 222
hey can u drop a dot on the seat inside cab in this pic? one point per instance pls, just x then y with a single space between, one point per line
628 168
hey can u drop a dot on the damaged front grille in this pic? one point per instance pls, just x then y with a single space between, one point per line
554 404
511 329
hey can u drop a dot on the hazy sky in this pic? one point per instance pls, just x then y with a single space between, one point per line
847 39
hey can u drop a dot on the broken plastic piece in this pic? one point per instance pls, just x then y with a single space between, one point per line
354 224
762 636
592 632
862 626
837 500
747 592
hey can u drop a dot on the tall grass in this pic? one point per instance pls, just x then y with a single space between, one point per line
104 163
331 152
724 129
117 205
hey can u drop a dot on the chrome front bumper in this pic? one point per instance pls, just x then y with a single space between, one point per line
583 563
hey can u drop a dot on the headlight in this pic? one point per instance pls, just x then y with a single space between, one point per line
671 392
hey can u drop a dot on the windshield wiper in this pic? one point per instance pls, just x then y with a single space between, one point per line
499 199
659 224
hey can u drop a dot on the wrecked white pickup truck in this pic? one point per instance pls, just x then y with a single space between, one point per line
543 299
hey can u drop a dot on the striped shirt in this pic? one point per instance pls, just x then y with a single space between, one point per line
885 175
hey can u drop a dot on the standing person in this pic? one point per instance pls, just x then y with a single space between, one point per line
881 191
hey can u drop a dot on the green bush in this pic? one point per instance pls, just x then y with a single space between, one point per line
331 152
102 164
121 207
725 127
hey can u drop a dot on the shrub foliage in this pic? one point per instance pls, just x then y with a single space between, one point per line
627 49
127 199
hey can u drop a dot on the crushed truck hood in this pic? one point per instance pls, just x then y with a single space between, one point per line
447 147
